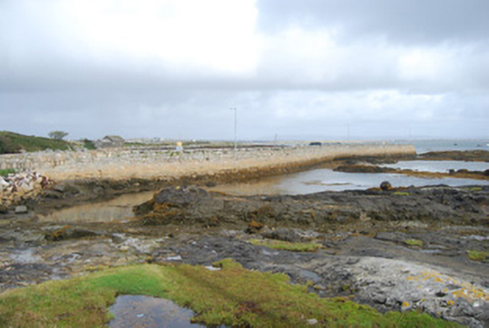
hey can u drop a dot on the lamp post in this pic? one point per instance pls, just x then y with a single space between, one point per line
235 127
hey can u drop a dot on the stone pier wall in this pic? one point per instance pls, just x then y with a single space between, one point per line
154 163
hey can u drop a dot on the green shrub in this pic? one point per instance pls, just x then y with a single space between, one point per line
7 147
89 144
13 143
4 173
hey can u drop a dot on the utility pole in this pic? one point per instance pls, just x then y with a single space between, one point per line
235 127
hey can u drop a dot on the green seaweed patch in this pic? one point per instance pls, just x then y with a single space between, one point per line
401 193
414 242
478 255
231 296
473 189
286 246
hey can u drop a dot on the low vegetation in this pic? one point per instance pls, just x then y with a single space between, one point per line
401 193
5 172
88 144
14 143
286 246
231 296
414 242
478 255
57 135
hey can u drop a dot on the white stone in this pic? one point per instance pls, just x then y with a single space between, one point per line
312 322
21 209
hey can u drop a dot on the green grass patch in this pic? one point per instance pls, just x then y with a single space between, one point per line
231 296
5 172
286 246
401 193
478 255
88 144
13 143
473 189
414 242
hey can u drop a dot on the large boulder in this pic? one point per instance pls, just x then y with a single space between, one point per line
181 196
385 185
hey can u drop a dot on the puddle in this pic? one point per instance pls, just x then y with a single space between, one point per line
148 312
115 210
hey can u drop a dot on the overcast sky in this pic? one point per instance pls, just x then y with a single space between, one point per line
319 69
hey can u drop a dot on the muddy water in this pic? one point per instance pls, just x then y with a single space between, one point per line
115 210
144 311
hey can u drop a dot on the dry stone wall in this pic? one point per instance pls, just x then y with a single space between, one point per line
155 163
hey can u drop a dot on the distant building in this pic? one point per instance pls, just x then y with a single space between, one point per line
110 142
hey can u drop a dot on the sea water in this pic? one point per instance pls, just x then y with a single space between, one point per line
328 180
424 146
438 166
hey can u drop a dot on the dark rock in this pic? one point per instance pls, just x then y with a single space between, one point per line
396 237
254 227
385 185
172 215
68 232
192 205
3 209
468 155
143 208
358 169
181 196
17 273
284 234
53 194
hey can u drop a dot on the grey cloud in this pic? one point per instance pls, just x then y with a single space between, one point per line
400 21
50 81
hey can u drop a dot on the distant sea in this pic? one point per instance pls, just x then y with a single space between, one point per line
318 180
424 146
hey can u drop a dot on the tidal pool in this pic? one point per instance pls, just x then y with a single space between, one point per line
116 210
148 312
328 180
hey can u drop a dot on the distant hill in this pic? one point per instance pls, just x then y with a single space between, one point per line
11 142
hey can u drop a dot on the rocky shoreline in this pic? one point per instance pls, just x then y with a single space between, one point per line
395 250
468 155
460 174
399 249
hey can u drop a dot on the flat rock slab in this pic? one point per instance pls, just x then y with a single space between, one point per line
21 209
